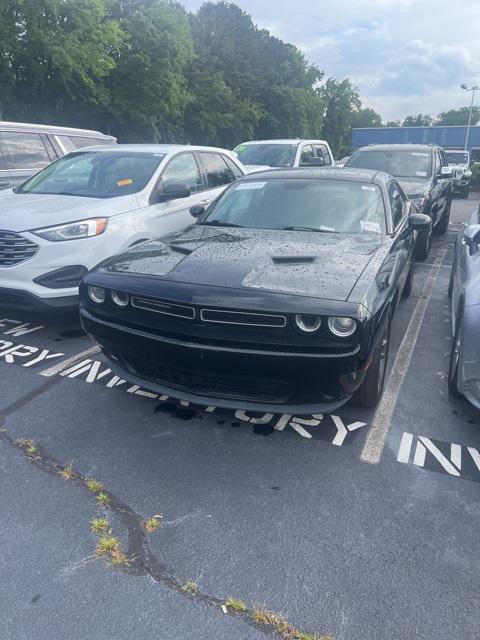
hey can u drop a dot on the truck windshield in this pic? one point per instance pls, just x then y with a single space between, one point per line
398 163
271 155
291 204
457 157
93 174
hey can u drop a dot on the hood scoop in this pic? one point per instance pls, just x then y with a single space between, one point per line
293 259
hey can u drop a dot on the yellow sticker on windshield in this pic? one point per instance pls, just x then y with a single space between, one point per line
125 182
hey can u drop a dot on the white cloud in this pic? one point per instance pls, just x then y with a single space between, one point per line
405 56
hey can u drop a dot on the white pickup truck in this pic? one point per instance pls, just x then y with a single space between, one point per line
459 160
258 155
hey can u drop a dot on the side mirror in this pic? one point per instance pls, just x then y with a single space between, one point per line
445 172
314 162
174 191
419 221
197 211
471 238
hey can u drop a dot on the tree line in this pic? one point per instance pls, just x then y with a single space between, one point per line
149 71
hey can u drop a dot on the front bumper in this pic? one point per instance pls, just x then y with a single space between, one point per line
276 382
19 299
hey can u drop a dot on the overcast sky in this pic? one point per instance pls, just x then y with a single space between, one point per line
404 56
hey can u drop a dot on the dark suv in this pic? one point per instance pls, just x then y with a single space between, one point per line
423 172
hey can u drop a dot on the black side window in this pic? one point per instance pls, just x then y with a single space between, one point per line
233 167
23 150
322 152
216 169
396 203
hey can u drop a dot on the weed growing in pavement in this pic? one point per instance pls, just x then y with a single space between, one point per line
152 524
93 485
275 622
67 472
99 525
238 605
190 587
103 499
29 445
109 547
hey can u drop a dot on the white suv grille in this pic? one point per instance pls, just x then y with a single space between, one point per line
14 249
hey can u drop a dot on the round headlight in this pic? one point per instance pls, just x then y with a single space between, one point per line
96 294
308 323
120 299
342 327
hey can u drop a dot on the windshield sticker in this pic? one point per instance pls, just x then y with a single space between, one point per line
125 182
423 155
421 174
240 147
368 225
250 185
366 188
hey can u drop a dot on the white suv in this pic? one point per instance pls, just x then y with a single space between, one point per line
97 202
261 154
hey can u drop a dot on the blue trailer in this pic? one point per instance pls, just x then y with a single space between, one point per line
446 137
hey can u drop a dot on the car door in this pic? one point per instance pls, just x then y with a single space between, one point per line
165 217
24 154
403 239
218 174
442 187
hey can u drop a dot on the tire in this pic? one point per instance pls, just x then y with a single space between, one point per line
454 361
371 389
465 192
422 246
442 226
407 289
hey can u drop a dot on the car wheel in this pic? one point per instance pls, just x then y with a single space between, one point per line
371 389
454 362
407 289
465 192
422 246
442 226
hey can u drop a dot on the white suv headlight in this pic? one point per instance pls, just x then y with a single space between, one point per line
73 230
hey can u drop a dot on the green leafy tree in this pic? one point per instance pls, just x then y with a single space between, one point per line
54 56
458 117
341 102
148 88
393 123
419 120
366 117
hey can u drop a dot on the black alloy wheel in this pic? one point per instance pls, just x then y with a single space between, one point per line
371 389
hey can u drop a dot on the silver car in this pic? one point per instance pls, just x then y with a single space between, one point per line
464 290
27 148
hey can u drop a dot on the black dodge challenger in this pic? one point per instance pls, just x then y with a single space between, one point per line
279 299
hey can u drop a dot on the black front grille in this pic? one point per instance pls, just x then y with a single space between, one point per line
247 318
14 249
212 385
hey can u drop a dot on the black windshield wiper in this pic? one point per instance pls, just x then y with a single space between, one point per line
309 229
221 223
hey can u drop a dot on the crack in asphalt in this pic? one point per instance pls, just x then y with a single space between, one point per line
142 559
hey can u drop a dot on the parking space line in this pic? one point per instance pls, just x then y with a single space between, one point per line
65 364
377 434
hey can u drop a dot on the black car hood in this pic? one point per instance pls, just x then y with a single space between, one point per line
297 263
415 186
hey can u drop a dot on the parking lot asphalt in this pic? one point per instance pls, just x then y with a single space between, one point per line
357 525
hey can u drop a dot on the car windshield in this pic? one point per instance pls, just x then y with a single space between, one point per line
334 206
457 157
401 164
271 155
95 174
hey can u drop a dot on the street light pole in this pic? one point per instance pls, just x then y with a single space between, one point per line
472 89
